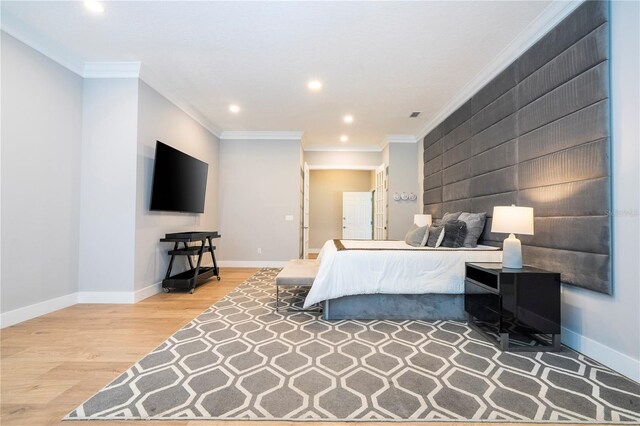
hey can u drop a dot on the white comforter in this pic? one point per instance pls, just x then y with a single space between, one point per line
392 267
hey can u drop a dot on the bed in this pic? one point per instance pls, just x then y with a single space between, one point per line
363 279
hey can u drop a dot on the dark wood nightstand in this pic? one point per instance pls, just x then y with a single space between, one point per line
517 309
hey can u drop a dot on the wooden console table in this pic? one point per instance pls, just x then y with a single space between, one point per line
194 276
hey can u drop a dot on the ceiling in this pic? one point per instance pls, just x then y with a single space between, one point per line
378 61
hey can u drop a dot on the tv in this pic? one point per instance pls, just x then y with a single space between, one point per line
179 181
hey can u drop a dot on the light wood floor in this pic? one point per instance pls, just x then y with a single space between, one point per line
51 364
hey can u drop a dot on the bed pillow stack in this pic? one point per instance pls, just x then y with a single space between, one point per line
474 225
417 236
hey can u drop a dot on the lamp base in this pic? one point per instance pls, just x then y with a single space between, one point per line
512 253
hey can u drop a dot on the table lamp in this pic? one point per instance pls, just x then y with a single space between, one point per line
512 220
422 219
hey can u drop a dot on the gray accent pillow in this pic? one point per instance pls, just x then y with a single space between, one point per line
448 217
417 235
475 225
455 231
436 234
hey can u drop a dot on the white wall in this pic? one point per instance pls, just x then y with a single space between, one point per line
607 328
159 119
343 159
41 136
403 177
259 186
108 186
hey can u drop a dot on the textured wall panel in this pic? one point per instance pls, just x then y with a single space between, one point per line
538 135
497 158
588 234
459 171
588 124
581 198
586 161
495 135
580 92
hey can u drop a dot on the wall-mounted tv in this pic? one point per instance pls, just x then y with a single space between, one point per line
179 181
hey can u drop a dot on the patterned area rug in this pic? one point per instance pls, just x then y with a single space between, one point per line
241 360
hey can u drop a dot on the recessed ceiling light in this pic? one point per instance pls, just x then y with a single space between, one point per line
314 85
94 6
234 108
344 138
348 118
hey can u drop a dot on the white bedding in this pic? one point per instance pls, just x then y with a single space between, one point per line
392 267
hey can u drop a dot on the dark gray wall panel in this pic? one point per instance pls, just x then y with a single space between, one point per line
588 161
590 270
584 90
560 232
538 135
457 135
457 172
457 154
577 59
433 196
500 85
588 124
496 182
487 202
456 206
586 18
433 150
433 166
494 112
497 158
457 191
433 181
495 135
582 198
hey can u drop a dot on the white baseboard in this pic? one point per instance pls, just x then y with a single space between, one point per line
623 364
148 291
252 263
37 309
115 297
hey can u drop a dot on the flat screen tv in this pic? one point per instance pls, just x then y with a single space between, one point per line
179 181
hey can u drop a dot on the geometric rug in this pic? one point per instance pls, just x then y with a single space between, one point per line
241 360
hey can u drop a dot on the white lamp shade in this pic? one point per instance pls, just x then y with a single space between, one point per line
422 219
512 220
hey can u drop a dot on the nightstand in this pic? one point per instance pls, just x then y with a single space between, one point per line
516 309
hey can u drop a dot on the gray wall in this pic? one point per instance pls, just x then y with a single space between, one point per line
41 137
538 135
159 119
108 185
259 186
403 169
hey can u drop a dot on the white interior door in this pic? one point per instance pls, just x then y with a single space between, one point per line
380 205
356 215
305 214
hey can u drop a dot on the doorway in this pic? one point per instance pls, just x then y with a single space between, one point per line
357 210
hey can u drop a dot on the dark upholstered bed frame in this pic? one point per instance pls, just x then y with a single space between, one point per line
538 135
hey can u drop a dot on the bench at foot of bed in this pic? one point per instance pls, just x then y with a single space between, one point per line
428 307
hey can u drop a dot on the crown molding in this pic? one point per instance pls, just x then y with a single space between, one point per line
111 69
262 135
400 139
18 30
335 167
340 148
544 22
161 86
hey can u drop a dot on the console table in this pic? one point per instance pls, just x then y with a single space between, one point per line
188 280
516 309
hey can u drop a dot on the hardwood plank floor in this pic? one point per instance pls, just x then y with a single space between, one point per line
51 364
